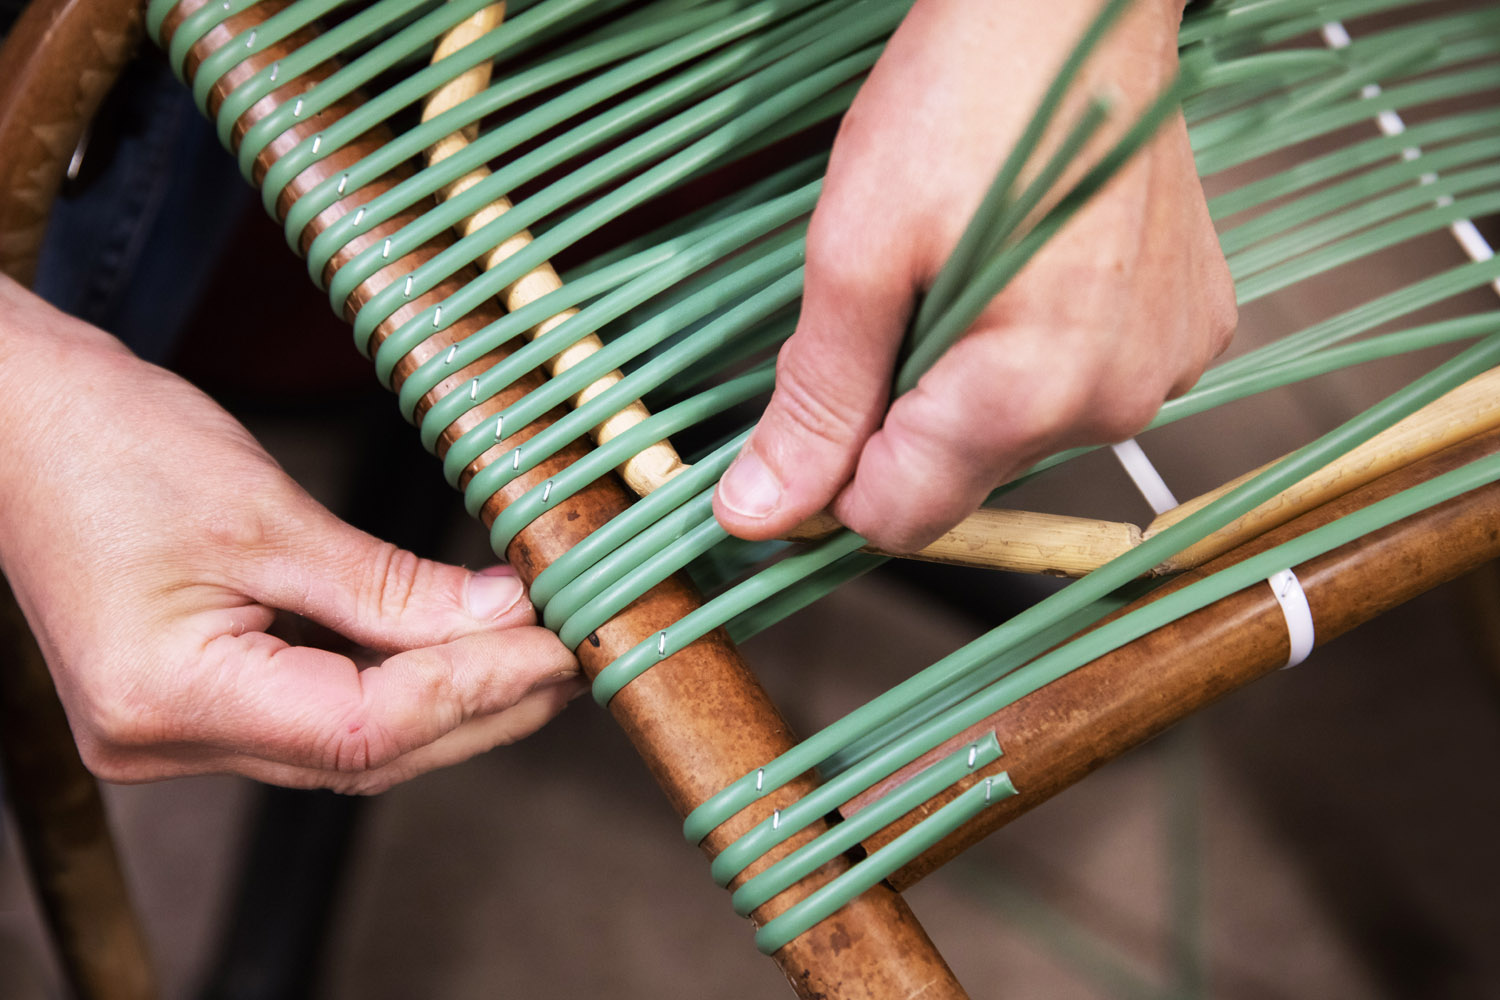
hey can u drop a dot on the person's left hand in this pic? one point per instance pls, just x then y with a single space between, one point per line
151 542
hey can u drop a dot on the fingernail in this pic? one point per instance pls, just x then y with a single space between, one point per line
749 488
494 591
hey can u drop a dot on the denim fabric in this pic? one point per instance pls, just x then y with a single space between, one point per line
130 247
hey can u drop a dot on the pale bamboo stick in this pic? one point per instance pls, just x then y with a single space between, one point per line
657 463
1028 542
1470 409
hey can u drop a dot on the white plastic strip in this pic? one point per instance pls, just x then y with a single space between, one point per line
1141 472
1336 36
1294 608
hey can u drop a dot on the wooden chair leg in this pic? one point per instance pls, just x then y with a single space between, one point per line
64 832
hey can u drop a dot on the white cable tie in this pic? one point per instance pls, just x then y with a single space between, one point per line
1300 631
1141 472
1336 36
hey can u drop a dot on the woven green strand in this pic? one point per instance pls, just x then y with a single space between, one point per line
1083 592
842 837
827 899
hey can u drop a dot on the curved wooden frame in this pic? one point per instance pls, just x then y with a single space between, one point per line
677 715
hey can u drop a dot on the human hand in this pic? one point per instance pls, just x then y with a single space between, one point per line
148 538
1122 310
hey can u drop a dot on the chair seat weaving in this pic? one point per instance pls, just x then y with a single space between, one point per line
598 112
718 81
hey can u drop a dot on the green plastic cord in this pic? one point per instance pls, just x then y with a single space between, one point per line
665 97
674 90
719 610
812 751
1393 182
601 460
1308 173
503 94
765 278
729 118
1091 646
842 837
574 564
582 592
274 29
824 901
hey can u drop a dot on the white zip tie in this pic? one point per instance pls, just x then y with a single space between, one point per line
1141 472
1336 36
1286 587
1300 632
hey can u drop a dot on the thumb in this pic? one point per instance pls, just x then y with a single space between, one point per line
832 385
382 596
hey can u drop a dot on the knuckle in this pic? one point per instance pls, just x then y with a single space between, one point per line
116 722
830 265
1051 416
1124 416
392 582
365 784
1224 319
358 747
1220 305
107 763
248 531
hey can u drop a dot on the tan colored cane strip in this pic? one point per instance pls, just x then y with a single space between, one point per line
1468 410
647 469
1027 542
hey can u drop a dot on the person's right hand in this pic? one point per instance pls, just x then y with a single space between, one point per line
150 540
1122 310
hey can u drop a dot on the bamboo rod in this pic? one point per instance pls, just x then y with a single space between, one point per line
653 465
1468 410
1067 729
1030 542
699 718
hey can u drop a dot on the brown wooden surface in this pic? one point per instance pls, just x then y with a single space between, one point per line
56 65
1066 730
699 718
60 817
